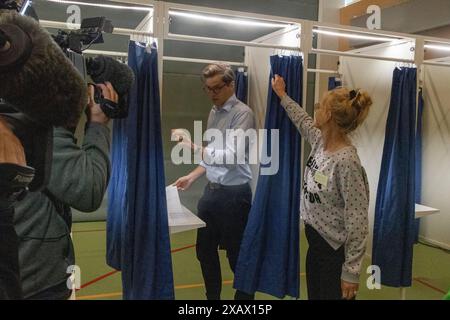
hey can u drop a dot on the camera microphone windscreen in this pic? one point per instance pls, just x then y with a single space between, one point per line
35 75
103 69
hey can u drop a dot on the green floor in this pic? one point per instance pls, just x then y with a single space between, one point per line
431 270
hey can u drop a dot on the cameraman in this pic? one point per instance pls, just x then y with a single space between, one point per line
11 151
79 179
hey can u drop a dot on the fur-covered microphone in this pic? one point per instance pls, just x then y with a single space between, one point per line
41 89
103 69
36 76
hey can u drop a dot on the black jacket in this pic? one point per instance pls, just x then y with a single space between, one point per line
9 259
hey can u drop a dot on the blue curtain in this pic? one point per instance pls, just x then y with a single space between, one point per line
333 83
269 255
241 86
394 226
418 196
145 258
117 195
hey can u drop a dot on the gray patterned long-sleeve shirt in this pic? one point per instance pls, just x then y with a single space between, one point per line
335 196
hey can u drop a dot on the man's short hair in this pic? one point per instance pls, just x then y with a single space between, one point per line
219 69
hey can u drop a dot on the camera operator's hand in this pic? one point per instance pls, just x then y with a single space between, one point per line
95 111
11 149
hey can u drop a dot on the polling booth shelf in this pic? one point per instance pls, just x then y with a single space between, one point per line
180 218
423 211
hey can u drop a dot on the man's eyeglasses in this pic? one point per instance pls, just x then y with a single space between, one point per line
214 90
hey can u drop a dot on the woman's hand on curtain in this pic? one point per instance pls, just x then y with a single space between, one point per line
279 86
349 289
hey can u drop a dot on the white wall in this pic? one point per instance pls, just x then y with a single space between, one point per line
258 81
436 155
375 77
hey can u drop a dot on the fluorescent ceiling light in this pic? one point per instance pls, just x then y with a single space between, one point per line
352 36
227 20
437 47
25 6
101 5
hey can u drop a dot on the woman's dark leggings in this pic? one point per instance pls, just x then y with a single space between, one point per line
323 267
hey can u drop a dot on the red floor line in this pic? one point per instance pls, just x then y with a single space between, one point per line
98 279
187 247
115 271
429 285
183 248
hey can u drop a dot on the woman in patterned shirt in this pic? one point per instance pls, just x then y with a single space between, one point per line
335 195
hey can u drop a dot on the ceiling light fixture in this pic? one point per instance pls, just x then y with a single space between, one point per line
437 47
353 36
101 5
227 20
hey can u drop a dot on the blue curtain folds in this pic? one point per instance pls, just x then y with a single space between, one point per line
117 195
394 226
269 255
145 259
241 86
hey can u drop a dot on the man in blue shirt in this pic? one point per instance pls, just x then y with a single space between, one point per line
226 201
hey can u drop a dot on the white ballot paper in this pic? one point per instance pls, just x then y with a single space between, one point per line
180 218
